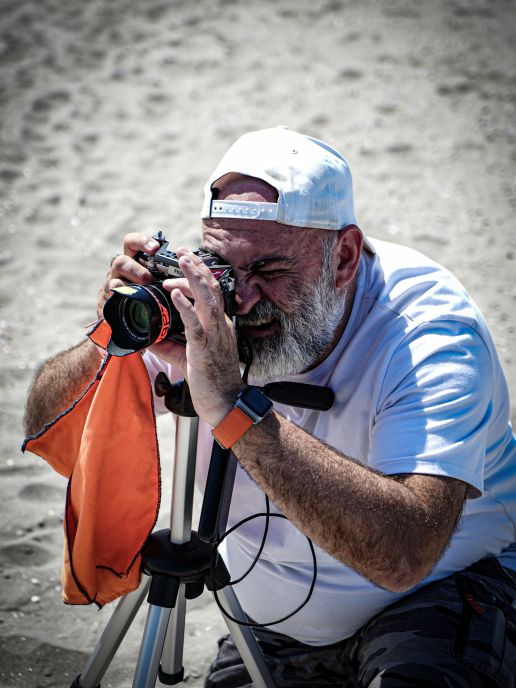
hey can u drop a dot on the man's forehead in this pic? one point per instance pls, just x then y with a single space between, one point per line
235 186
237 224
260 236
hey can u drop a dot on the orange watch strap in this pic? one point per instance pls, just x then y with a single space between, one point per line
232 427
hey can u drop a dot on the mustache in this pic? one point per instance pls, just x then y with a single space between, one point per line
263 311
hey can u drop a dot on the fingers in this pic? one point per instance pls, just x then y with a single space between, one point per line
106 292
135 242
194 331
128 269
124 269
203 288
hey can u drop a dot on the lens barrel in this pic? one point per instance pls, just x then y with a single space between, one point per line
139 316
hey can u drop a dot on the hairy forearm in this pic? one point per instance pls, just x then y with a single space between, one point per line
58 383
377 525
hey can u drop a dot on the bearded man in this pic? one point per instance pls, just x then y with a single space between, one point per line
406 486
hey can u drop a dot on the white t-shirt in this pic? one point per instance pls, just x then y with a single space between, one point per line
418 389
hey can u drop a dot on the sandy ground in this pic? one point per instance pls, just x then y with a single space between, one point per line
114 113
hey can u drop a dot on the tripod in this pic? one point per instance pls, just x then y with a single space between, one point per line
178 562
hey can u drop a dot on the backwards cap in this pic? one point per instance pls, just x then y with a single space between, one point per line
312 179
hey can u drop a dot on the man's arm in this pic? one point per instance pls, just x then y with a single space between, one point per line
58 383
62 378
391 529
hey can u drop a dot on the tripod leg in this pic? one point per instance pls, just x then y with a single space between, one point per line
151 648
112 636
245 641
172 658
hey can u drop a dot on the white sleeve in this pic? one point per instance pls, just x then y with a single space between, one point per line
435 406
156 365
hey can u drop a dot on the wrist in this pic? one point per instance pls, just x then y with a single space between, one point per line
227 402
249 408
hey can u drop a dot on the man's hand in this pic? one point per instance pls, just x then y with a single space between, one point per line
124 269
210 360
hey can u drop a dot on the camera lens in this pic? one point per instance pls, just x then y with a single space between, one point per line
138 316
133 319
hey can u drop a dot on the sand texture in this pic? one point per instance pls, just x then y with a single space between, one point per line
112 115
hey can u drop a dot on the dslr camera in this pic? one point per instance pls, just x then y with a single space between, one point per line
141 315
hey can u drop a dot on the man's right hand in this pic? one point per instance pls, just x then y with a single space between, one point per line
124 269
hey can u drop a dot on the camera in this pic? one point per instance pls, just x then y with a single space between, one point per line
141 315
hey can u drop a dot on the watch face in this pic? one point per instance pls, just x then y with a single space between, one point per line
257 401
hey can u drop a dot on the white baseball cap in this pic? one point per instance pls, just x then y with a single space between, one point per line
312 179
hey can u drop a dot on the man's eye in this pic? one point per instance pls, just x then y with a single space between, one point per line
271 272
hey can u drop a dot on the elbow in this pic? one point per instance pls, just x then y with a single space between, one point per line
399 584
398 576
404 575
398 571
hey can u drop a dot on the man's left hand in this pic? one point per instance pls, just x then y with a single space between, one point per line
209 361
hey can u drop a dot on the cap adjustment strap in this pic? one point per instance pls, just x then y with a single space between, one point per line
248 210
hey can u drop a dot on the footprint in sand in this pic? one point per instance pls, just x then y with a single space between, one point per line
41 492
27 553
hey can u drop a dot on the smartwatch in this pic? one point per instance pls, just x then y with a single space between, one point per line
250 408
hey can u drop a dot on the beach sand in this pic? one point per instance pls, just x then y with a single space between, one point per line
114 113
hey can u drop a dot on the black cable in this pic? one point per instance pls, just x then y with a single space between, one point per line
267 516
260 548
245 351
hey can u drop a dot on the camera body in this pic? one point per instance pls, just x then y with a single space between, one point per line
164 264
140 315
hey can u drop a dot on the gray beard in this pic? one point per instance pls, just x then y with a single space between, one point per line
307 329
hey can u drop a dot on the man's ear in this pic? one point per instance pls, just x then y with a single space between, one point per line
348 250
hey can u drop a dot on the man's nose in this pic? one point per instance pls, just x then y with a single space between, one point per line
247 294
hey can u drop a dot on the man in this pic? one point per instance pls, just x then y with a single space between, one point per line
405 486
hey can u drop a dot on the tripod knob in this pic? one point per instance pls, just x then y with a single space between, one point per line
177 395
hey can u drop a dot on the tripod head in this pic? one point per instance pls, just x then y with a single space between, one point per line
177 395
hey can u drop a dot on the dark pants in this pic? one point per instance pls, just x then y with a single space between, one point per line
459 632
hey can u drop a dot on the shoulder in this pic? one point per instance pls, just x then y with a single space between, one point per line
415 290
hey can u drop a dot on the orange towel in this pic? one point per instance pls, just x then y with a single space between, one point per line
106 444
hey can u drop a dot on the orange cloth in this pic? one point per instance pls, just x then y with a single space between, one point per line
106 444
